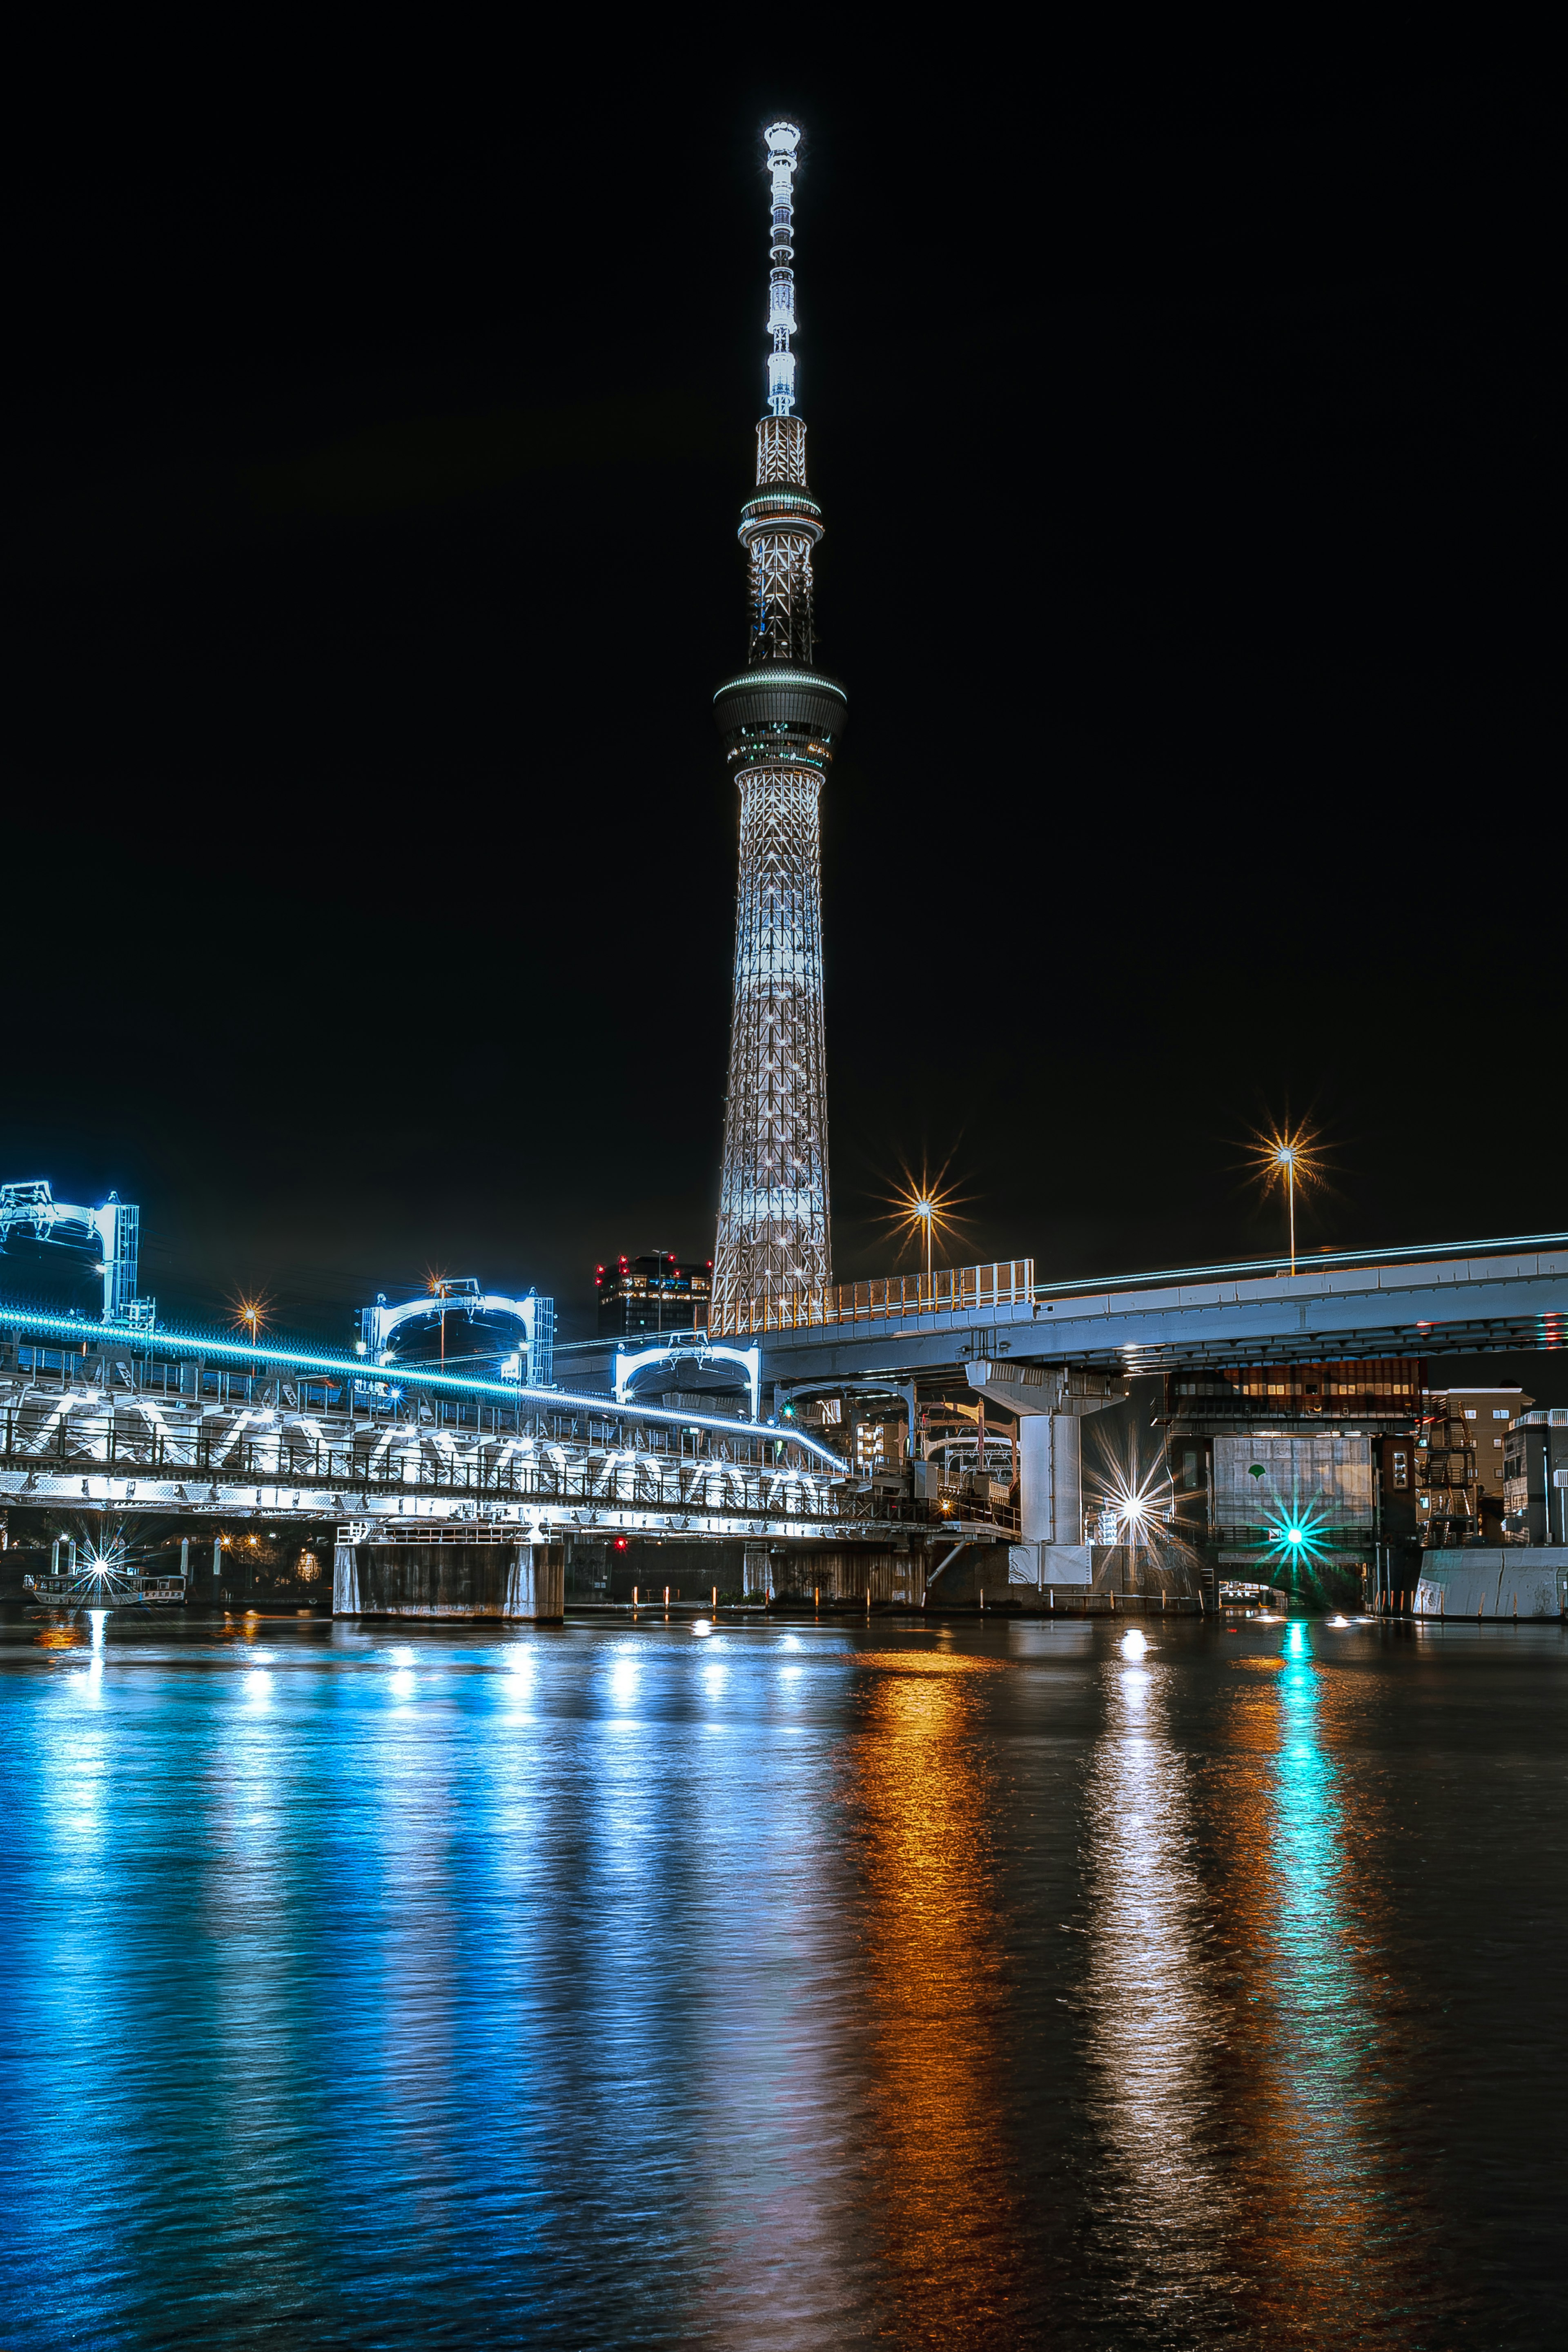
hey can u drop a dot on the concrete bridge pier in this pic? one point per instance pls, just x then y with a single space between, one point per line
520 1582
536 1583
1051 1403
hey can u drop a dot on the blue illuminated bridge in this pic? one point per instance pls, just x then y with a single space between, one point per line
126 1418
137 1419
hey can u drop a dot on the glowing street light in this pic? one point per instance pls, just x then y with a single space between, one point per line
1286 1158
922 1211
250 1317
926 1213
1289 1156
440 1288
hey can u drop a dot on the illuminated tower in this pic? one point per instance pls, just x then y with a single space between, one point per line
781 720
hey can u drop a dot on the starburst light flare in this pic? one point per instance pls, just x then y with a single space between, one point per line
251 1314
924 1207
1134 1504
1288 1155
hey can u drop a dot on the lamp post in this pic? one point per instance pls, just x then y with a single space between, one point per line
1284 1158
441 1289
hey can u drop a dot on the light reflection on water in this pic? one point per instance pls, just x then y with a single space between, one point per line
1161 2191
993 1988
936 2198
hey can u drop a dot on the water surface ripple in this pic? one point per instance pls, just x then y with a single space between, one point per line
783 1987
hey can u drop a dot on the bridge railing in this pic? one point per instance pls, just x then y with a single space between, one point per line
951 1290
661 1480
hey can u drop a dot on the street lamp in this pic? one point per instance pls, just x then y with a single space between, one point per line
1289 1156
925 1210
1284 1158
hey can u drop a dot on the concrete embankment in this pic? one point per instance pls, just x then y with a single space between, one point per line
1501 1580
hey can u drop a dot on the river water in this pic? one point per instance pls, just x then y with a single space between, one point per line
783 1987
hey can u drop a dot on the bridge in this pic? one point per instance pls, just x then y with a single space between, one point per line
135 1425
1469 1298
118 1417
1052 1353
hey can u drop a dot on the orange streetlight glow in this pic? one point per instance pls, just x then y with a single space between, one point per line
921 1210
1291 1156
250 1314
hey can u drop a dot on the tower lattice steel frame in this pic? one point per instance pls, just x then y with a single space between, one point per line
781 720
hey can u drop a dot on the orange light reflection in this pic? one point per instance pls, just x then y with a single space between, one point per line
942 2200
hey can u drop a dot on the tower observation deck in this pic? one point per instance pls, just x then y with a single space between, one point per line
780 720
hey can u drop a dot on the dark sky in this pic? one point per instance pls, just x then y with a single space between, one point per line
376 452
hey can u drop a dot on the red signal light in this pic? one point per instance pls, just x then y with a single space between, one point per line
620 1543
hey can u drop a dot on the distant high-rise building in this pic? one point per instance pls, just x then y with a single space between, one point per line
780 720
651 1294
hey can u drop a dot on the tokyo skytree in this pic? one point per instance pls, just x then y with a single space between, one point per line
781 720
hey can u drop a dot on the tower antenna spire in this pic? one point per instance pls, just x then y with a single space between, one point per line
781 720
783 149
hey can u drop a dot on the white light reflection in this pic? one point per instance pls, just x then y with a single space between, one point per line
404 1682
258 1686
1135 1645
1149 2026
701 1626
518 1685
91 1684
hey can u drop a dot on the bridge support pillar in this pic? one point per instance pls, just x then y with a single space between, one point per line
345 1581
536 1584
1050 1478
524 1582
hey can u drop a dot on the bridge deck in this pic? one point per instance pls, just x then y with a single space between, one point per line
108 1444
1467 1303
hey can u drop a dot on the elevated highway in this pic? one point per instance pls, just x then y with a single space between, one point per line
1471 1297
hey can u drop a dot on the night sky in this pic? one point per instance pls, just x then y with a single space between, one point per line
376 452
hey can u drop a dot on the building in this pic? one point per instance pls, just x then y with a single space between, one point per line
651 1294
1535 1479
1486 1413
1447 1493
1293 1477
780 720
